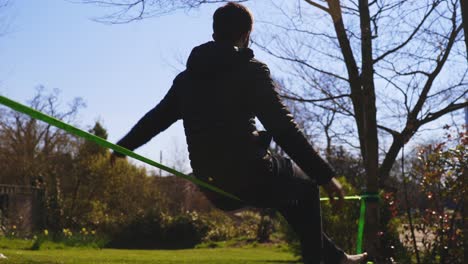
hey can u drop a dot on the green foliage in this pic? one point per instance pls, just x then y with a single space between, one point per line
15 243
221 227
83 238
248 224
105 196
244 226
341 225
45 240
88 148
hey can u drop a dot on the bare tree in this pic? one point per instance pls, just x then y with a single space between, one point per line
32 152
28 147
403 58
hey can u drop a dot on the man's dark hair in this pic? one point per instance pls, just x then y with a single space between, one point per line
231 21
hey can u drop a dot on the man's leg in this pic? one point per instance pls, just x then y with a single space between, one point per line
301 208
305 219
307 225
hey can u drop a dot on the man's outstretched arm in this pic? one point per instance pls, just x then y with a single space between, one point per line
280 123
155 121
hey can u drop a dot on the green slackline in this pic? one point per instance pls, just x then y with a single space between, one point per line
104 143
351 197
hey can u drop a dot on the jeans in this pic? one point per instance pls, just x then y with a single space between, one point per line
300 205
296 196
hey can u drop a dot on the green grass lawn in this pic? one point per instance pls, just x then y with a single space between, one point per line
260 255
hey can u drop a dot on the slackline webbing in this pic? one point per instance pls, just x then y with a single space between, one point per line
104 143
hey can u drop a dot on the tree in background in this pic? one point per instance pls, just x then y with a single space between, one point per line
33 153
28 148
89 148
87 152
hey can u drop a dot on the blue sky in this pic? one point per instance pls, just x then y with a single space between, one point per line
121 71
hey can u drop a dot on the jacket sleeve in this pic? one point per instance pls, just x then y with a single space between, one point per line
155 121
279 122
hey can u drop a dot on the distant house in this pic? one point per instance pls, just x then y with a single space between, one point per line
21 208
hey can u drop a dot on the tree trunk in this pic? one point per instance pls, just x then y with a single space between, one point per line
464 12
371 160
363 99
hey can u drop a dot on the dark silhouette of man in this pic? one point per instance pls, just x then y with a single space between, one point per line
218 96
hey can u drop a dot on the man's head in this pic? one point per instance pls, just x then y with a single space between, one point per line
232 24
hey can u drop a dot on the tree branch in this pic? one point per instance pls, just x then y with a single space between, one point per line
432 76
304 100
406 134
392 132
319 6
297 60
450 108
410 37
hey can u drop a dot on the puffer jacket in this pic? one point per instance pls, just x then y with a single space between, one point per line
218 96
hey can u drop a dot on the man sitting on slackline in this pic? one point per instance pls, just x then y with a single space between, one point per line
218 96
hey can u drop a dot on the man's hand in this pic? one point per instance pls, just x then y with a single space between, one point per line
114 156
334 189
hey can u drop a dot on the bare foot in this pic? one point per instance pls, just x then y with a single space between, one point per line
354 259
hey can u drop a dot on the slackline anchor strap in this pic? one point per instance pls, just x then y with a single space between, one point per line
365 198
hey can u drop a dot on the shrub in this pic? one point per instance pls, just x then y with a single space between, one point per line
441 172
249 223
390 227
184 231
156 230
144 231
220 227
